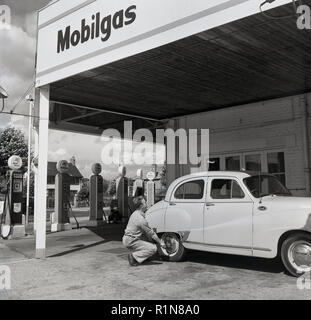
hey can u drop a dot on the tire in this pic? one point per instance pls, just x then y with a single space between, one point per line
296 254
175 251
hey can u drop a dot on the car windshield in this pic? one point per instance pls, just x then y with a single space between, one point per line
265 185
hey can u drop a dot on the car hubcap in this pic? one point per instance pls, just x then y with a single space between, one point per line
172 244
299 255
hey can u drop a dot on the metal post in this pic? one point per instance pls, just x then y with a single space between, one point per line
305 130
30 99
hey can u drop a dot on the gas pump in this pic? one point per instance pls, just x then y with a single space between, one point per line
96 197
60 218
138 188
12 217
150 189
16 195
122 194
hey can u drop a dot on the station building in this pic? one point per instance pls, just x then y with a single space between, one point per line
268 136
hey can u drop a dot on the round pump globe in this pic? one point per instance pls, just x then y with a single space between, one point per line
96 168
15 163
151 176
62 166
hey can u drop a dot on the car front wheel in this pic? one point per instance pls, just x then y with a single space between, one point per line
296 254
174 251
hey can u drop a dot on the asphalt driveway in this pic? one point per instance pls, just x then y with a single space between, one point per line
92 264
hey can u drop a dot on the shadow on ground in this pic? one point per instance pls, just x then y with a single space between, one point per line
237 262
108 232
114 232
111 232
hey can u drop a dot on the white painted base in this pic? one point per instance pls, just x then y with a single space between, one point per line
18 231
57 227
52 217
95 223
40 253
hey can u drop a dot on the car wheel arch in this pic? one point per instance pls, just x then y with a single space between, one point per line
160 234
287 234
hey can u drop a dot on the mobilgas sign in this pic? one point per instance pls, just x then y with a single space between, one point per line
98 26
80 35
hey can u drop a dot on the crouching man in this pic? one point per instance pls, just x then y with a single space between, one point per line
139 238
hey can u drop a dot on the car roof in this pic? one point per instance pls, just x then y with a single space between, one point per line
239 174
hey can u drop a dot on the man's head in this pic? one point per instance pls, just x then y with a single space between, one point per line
140 204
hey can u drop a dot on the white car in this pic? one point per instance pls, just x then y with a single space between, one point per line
241 213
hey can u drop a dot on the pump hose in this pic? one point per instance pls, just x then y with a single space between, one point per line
3 216
70 209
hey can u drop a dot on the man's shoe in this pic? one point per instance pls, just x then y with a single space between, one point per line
132 260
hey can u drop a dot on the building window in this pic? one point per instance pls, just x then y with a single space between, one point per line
214 164
276 165
233 163
253 162
51 193
51 180
193 190
226 189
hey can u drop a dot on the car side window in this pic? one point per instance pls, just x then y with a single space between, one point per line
192 190
179 194
226 189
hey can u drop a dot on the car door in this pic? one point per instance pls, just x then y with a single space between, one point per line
186 208
228 217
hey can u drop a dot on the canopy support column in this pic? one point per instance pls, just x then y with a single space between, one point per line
36 155
42 172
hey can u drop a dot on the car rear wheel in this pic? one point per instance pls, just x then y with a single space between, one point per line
174 251
296 254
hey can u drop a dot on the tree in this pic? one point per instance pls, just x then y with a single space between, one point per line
83 194
106 186
12 142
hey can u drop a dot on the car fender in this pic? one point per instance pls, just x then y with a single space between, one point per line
178 221
271 227
156 216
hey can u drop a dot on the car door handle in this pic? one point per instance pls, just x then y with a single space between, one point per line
262 208
172 204
209 204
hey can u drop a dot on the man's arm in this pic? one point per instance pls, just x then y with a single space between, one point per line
149 232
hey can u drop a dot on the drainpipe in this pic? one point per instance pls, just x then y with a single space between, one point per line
177 164
306 141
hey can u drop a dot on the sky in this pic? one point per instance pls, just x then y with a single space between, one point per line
17 52
17 61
